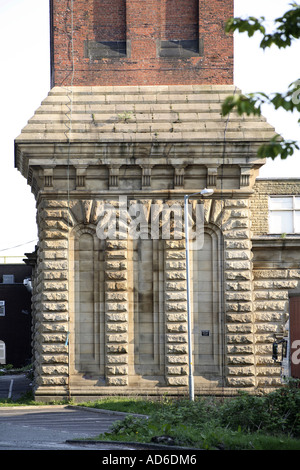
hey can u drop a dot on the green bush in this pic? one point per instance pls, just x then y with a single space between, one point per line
245 412
276 413
283 407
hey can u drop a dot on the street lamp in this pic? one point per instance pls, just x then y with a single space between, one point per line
204 192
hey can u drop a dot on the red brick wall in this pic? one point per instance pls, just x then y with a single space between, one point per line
180 19
142 23
109 20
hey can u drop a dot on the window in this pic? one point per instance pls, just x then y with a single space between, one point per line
284 214
2 353
2 308
8 278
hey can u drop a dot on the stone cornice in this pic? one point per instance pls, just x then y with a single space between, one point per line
107 129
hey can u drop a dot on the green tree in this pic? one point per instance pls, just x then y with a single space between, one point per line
286 31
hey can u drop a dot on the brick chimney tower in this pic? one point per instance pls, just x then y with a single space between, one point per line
141 42
134 115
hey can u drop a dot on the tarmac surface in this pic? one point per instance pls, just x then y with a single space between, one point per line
49 427
54 427
64 427
13 386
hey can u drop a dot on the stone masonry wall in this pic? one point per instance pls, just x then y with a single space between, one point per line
264 188
54 285
254 310
271 305
276 273
50 299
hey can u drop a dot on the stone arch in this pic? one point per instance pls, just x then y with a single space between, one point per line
146 275
208 306
87 302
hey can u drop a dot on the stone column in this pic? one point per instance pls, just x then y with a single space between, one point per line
51 299
238 295
116 317
176 314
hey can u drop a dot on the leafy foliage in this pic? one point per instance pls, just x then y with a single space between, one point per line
241 422
287 30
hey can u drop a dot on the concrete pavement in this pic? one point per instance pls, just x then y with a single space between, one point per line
53 427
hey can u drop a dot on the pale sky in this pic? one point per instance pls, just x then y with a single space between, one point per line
25 82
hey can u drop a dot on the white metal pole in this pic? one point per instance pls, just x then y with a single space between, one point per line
186 224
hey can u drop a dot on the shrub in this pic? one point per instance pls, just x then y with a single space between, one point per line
276 413
244 412
284 411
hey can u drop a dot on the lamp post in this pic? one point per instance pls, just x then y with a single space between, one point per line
204 192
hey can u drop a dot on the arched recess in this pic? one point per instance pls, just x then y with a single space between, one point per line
146 276
86 290
207 307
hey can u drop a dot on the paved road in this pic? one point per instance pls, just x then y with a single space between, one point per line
13 386
55 427
49 427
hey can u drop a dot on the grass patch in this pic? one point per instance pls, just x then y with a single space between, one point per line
126 405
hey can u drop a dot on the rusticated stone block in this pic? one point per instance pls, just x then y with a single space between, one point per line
116 276
119 307
176 286
116 296
177 381
114 348
176 306
53 338
119 338
240 360
176 317
177 370
116 286
117 380
54 370
115 359
117 370
240 328
116 317
241 371
240 339
177 349
241 382
52 381
54 327
176 327
176 338
55 358
116 327
116 265
176 295
240 349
